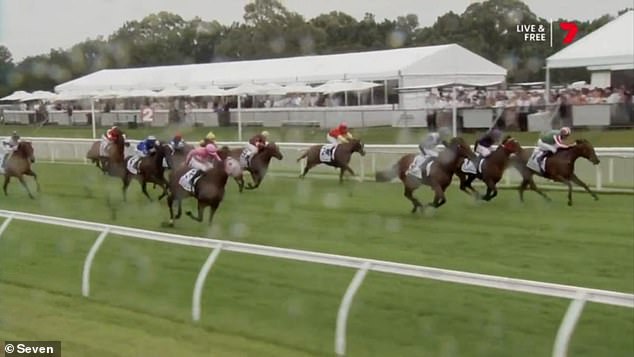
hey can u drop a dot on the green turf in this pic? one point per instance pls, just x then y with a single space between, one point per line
380 135
262 306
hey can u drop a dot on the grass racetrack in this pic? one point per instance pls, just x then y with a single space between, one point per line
140 300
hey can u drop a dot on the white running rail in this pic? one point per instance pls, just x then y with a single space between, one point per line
578 295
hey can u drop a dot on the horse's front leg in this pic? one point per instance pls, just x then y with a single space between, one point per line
240 181
439 196
26 187
126 183
257 179
409 194
34 175
164 185
491 191
578 181
201 209
7 178
144 188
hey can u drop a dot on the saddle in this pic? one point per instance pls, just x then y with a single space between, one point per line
537 161
469 167
420 162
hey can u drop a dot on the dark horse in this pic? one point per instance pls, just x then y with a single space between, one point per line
94 154
19 164
440 175
150 169
259 164
560 167
180 154
492 169
209 190
341 159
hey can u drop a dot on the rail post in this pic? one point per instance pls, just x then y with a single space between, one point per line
599 183
344 308
200 281
567 326
85 276
5 224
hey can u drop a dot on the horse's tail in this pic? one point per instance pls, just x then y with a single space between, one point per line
387 175
303 155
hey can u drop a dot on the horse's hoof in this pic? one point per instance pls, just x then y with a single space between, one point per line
596 198
569 203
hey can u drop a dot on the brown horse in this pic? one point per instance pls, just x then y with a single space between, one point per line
342 154
492 169
19 164
258 165
209 189
179 155
94 154
560 167
149 169
441 172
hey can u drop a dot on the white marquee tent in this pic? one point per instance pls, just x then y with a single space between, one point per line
609 48
411 66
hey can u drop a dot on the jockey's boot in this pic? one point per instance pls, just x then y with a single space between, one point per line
196 176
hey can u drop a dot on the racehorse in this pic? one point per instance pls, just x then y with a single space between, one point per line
492 171
149 169
441 170
94 154
19 164
560 167
340 159
258 164
209 189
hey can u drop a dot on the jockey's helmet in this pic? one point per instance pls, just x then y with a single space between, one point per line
15 135
343 125
151 138
565 131
211 149
265 134
210 136
178 136
496 133
444 132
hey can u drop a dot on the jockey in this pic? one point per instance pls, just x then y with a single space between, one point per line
109 137
483 145
340 134
10 145
210 138
147 146
257 142
200 159
177 142
552 141
428 150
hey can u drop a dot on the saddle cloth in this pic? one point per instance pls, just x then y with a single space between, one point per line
535 164
3 155
245 158
133 164
103 148
327 153
416 167
469 168
185 181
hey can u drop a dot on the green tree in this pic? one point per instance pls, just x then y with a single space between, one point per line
6 70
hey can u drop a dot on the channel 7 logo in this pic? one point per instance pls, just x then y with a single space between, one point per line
571 29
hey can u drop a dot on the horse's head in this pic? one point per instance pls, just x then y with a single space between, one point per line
25 149
511 145
357 146
274 150
586 150
165 151
460 147
224 152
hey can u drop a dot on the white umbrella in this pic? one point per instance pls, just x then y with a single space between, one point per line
172 92
345 85
69 95
212 91
18 95
39 95
299 88
136 93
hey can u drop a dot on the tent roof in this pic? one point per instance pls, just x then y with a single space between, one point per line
371 65
611 47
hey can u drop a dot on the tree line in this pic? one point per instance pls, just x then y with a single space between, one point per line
270 30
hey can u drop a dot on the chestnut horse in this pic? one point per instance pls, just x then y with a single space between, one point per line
259 164
560 167
341 159
493 168
94 154
441 172
19 164
209 189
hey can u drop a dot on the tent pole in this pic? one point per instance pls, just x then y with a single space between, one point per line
239 119
345 98
93 120
385 91
547 88
454 113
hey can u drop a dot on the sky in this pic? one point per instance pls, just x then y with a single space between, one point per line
31 27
